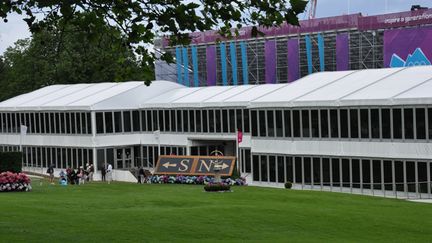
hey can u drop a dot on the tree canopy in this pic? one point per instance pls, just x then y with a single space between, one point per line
140 21
67 54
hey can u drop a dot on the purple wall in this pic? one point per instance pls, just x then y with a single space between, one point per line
404 42
211 65
342 52
270 61
293 60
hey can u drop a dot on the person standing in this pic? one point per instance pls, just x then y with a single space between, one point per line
109 173
103 173
50 171
90 170
141 175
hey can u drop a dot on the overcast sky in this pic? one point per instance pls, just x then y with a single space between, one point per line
16 28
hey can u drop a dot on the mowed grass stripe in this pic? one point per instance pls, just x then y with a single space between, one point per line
123 212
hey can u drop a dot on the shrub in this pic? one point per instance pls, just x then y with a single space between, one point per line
10 161
217 187
288 185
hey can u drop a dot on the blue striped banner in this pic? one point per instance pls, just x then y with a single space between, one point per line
185 67
179 65
308 53
321 52
195 66
233 62
223 64
244 62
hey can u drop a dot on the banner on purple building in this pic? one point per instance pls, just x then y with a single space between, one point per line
211 65
407 47
293 60
270 61
342 52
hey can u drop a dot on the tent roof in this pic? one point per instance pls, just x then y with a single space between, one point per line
396 86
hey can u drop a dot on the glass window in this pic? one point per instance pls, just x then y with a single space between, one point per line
254 119
315 123
334 126
255 165
397 123
192 121
280 169
409 123
246 120
262 124
118 122
239 119
161 119
385 123
205 121
136 121
324 123
375 128
89 126
289 169
127 121
305 123
270 124
279 124
298 170
150 121
296 123
68 123
344 123
143 121
354 122
78 122
211 120
185 121
198 121
108 122
335 172
430 122
232 121
224 121
37 119
73 123
287 123
61 125
326 171
263 162
364 123
272 168
173 120
420 123
155 120
32 123
47 123
52 122
99 122
218 118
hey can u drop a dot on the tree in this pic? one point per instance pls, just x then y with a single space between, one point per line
68 54
142 20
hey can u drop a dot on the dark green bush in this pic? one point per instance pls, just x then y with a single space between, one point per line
216 187
288 185
10 161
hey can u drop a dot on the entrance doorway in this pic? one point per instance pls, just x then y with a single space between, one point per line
123 158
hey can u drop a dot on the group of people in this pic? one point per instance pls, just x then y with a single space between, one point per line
76 177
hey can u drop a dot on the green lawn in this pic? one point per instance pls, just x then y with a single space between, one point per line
123 212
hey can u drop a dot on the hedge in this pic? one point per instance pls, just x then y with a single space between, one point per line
10 161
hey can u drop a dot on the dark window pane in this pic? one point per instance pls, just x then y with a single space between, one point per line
118 122
279 124
397 123
270 123
305 123
246 120
287 123
254 119
364 123
211 121
99 122
344 123
262 123
375 129
205 121
239 119
192 121
67 118
255 166
73 122
224 121
354 123
143 121
150 121
272 168
136 121
108 122
89 126
315 123
298 170
430 122
185 121
324 123
409 123
173 120
420 123
296 123
218 124
281 169
232 121
155 120
385 123
264 174
334 126
160 121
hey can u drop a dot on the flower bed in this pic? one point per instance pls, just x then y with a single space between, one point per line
14 182
197 180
